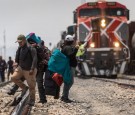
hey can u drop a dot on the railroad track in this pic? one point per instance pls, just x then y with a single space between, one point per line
22 108
6 100
121 82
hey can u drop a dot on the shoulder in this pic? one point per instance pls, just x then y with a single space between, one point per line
31 48
4 61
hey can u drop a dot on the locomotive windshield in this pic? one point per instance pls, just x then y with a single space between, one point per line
90 12
115 12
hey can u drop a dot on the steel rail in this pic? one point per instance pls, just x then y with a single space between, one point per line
19 108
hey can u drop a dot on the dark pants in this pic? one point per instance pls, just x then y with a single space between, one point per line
10 71
67 87
2 75
40 83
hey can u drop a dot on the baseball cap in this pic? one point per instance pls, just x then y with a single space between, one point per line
69 38
20 38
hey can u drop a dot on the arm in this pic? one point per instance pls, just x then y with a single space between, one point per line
70 51
34 56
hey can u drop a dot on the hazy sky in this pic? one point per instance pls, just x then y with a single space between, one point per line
47 18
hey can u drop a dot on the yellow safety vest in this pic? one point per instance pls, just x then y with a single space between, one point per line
81 50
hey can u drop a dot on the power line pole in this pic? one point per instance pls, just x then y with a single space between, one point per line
4 37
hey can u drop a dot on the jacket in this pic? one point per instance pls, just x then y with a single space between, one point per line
59 63
25 59
70 52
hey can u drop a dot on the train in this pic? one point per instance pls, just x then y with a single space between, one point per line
105 27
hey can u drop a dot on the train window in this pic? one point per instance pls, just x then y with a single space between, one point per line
90 12
115 12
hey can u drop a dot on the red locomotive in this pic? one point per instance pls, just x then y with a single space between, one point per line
104 26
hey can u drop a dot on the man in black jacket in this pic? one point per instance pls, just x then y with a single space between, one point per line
70 50
26 67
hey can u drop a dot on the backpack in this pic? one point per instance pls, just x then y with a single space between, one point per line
42 57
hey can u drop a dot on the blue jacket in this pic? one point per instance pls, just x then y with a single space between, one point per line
59 63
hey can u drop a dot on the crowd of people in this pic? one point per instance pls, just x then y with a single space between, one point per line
34 63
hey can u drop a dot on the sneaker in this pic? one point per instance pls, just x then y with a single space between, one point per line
11 92
24 91
31 102
66 100
78 74
15 101
57 96
42 101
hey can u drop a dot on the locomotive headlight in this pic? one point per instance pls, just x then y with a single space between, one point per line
103 23
116 44
92 45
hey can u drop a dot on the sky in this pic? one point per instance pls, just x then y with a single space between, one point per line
46 18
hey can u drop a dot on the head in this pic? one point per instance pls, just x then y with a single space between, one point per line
9 58
69 39
21 39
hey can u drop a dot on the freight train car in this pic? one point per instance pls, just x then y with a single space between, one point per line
104 26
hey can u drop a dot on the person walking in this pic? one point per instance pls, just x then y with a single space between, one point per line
10 67
3 67
69 49
41 67
27 68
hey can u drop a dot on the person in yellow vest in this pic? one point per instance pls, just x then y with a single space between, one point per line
79 55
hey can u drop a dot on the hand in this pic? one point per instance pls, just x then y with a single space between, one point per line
77 46
15 65
31 72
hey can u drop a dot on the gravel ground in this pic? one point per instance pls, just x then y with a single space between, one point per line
91 97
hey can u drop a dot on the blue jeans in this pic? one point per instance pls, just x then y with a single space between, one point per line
67 87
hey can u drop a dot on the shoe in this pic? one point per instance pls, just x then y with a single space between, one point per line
78 74
31 102
15 101
24 91
57 96
42 101
11 92
66 100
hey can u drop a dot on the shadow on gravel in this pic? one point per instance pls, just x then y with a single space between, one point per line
107 77
101 76
84 77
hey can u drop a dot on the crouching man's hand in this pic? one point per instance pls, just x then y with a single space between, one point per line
31 72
